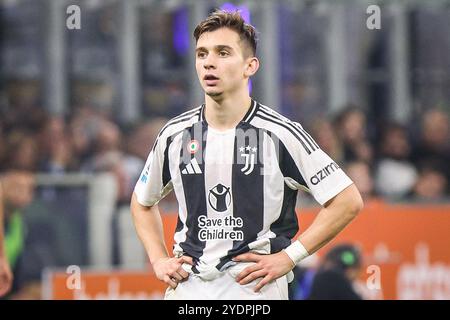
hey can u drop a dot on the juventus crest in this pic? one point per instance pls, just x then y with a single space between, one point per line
249 155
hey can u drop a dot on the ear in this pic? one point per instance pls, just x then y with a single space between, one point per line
251 66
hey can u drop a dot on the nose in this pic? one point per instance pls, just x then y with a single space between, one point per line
209 63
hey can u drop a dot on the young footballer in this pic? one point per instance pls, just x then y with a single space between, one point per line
235 166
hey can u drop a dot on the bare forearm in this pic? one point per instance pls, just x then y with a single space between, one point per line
336 214
149 227
332 219
2 217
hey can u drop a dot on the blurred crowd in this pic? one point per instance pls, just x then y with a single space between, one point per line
45 226
88 142
403 163
396 166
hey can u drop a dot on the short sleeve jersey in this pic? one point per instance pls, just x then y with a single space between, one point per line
236 189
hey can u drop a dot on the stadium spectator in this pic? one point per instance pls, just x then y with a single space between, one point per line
336 276
360 173
304 273
137 151
55 147
18 193
395 174
432 183
21 151
6 276
351 129
139 138
108 156
325 135
434 143
83 126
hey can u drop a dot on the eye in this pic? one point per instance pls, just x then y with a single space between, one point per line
223 53
201 54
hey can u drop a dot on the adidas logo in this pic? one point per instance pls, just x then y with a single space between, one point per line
192 168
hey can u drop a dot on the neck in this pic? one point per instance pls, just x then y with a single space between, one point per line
226 113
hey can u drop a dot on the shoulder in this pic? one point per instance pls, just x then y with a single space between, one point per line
266 116
269 111
285 129
181 122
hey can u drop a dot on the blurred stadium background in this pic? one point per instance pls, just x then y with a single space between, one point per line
79 109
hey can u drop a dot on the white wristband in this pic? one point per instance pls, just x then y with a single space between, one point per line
296 251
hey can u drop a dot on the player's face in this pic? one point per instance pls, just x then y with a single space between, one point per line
221 63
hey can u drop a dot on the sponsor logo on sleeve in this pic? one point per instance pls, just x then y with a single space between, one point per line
324 173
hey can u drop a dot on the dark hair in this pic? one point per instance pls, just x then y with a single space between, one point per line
344 256
347 110
232 20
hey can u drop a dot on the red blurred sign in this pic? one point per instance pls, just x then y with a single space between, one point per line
407 247
103 285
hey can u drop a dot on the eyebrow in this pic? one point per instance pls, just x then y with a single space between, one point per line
218 48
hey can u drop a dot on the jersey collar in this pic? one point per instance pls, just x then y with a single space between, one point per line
247 118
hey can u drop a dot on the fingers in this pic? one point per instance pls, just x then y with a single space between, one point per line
176 276
262 283
252 276
247 257
187 260
183 259
170 270
180 275
183 272
176 273
170 281
244 273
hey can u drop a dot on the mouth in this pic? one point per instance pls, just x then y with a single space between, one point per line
210 77
210 80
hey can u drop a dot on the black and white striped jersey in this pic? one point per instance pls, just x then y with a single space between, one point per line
236 189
